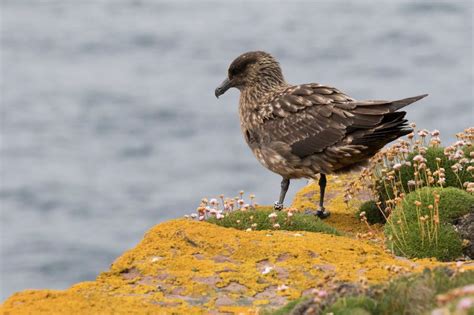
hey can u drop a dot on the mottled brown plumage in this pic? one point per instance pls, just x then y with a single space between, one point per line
299 131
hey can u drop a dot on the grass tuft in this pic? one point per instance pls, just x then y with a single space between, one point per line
259 220
435 158
420 225
421 188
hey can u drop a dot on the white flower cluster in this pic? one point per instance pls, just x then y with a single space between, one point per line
219 207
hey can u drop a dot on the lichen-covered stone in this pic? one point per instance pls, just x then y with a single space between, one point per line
187 267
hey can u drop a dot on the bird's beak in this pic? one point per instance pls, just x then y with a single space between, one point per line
221 89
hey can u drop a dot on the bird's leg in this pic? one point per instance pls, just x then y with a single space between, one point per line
285 183
322 189
322 213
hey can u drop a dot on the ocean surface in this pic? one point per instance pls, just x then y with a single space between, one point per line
109 124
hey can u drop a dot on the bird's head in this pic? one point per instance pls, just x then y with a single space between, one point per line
256 69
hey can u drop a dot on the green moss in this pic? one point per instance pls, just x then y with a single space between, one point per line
372 212
448 247
453 203
243 220
411 239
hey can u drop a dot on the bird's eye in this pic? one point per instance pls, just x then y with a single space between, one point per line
239 67
234 71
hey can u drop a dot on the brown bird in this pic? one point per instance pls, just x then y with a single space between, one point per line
299 131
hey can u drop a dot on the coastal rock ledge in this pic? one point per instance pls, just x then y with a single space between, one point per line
188 267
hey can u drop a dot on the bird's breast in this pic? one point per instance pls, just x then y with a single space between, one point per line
250 124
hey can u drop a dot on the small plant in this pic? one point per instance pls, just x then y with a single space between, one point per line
421 188
442 167
447 204
219 207
409 242
407 166
419 225
447 159
416 163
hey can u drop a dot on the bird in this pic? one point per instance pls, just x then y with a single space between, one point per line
308 130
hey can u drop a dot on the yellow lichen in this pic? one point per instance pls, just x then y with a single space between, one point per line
189 267
342 216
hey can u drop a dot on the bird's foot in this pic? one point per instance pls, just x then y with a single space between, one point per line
278 206
323 213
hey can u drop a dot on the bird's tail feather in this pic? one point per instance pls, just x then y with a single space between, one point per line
377 107
393 126
396 105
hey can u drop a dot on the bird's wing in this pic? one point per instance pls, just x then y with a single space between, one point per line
311 117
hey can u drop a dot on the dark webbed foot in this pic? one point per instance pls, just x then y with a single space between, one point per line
323 213
277 206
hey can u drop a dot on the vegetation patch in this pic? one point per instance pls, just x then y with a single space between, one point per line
353 305
421 225
449 203
249 216
411 244
371 212
285 309
439 157
439 161
421 188
264 219
419 293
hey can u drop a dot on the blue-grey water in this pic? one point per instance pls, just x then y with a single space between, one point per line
110 125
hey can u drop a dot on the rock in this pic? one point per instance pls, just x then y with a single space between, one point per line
186 267
181 283
235 287
224 300
465 226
